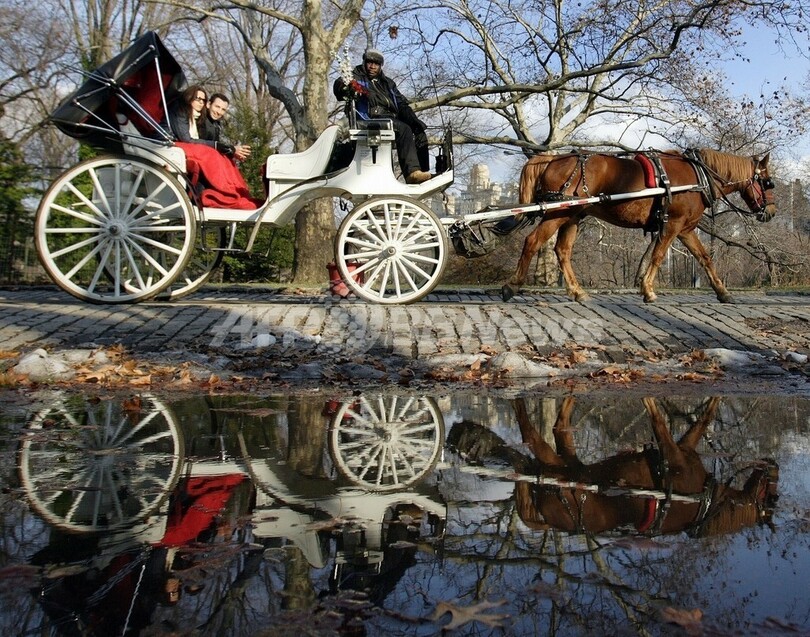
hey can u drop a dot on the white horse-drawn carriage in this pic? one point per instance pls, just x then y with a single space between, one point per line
125 227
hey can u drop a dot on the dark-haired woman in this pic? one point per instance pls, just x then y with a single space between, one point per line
206 160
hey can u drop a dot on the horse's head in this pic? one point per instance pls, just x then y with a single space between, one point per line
758 190
762 487
733 509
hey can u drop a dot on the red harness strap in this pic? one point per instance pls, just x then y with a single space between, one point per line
650 513
650 178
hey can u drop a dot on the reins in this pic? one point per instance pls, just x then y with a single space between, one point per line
710 178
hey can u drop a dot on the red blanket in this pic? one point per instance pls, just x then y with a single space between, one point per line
224 185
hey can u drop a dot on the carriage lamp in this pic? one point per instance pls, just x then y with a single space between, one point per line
374 139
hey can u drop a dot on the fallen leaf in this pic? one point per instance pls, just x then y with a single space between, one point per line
141 381
464 614
690 620
577 357
132 405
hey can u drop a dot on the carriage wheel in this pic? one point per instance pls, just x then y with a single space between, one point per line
387 443
115 230
201 265
98 465
396 247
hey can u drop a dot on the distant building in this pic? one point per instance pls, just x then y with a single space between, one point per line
481 192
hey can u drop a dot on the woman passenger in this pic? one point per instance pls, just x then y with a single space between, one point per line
223 184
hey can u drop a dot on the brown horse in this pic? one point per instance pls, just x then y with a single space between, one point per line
553 177
655 491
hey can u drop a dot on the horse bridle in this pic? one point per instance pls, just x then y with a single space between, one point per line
758 185
760 199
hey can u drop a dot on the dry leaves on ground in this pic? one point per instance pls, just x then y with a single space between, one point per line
617 373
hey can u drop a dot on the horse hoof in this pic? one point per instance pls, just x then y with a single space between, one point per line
650 298
582 297
725 298
507 292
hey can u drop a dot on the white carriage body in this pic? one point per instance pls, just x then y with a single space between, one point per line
122 228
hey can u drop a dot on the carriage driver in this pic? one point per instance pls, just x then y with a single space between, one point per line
377 97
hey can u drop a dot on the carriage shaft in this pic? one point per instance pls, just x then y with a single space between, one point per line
493 214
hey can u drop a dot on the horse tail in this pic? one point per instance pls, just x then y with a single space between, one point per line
530 175
534 180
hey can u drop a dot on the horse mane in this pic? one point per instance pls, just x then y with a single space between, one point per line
731 167
733 512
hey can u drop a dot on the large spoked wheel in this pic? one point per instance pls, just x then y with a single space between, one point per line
387 443
391 250
92 466
115 230
201 266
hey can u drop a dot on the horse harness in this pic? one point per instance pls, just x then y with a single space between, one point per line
658 499
655 176
707 177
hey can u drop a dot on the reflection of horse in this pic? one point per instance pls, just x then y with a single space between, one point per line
655 490
555 177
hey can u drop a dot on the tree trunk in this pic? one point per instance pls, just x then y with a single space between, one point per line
314 233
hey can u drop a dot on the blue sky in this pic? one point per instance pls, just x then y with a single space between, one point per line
768 69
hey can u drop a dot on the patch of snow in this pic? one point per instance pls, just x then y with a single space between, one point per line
730 358
516 366
39 366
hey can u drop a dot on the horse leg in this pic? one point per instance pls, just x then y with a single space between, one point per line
698 250
684 466
563 436
645 260
660 248
692 437
670 450
539 447
535 239
563 249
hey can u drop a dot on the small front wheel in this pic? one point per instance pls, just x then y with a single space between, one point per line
391 250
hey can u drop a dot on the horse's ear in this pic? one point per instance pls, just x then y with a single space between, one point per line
764 161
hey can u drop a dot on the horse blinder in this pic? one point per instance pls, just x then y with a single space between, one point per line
762 200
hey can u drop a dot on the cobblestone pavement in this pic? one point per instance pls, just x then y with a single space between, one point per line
446 322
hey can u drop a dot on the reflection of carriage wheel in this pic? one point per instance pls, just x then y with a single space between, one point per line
115 230
387 443
396 247
96 466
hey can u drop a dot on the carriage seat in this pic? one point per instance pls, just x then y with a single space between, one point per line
308 163
381 124
136 143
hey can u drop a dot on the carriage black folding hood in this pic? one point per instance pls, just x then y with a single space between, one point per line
135 83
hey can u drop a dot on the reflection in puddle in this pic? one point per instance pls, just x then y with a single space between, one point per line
400 513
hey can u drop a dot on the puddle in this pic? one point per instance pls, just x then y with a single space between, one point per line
406 514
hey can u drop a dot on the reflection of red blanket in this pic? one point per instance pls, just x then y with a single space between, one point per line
225 186
206 497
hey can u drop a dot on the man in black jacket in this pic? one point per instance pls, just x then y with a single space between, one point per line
377 97
218 105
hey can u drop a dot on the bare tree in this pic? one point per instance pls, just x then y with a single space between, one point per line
552 74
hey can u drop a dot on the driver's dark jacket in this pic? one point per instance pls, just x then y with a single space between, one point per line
380 99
